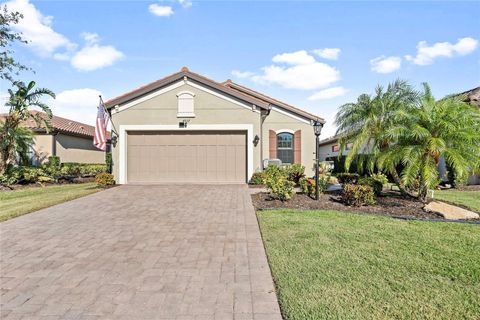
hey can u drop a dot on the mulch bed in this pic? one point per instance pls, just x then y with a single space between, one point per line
48 184
390 204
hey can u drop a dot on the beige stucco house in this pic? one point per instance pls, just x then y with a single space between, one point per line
70 140
186 128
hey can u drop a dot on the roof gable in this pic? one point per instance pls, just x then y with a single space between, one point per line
183 74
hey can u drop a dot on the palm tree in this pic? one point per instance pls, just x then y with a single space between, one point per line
367 124
447 128
20 103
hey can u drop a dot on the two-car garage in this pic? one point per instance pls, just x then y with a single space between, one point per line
186 156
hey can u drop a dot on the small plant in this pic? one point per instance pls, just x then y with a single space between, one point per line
377 186
276 180
380 177
257 178
308 185
358 195
104 180
348 178
295 172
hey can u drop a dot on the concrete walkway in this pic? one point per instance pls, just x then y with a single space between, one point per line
139 252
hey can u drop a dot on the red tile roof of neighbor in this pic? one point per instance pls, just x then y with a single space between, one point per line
227 87
58 124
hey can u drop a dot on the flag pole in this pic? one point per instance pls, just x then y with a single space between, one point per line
114 130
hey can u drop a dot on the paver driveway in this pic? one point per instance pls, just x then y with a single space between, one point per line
139 252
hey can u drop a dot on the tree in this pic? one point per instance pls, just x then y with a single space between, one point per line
367 124
8 66
447 128
20 103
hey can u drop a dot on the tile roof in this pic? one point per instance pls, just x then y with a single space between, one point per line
59 124
227 87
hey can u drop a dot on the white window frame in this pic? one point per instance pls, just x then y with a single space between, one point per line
184 96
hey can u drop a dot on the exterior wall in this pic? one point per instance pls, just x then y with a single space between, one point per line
162 110
210 109
42 148
277 121
325 151
78 149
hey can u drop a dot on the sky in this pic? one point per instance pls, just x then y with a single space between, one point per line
316 55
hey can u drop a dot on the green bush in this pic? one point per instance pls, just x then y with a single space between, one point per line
358 195
380 177
104 179
348 178
70 169
109 162
308 185
376 185
24 175
276 180
294 172
257 178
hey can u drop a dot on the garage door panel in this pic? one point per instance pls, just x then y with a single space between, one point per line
159 157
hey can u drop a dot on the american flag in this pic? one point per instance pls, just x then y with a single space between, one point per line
100 138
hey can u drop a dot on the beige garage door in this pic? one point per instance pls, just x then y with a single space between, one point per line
187 156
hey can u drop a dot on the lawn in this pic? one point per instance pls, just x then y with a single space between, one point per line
470 199
334 265
19 202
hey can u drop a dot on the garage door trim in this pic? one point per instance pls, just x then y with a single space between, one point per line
194 127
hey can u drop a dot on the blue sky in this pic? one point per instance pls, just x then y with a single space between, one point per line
82 48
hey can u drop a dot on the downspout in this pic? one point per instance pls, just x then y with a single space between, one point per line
263 115
54 143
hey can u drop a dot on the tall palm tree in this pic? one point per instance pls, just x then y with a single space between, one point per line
367 124
447 128
20 103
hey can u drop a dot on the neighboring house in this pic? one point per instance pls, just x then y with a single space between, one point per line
70 140
189 129
330 147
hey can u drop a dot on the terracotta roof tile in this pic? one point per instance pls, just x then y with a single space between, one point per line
59 124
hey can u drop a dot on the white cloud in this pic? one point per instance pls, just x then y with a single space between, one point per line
161 11
294 58
328 93
426 54
328 53
295 70
304 77
37 29
384 64
94 56
242 74
76 104
185 3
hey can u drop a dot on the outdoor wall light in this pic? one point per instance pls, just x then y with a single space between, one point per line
114 140
256 140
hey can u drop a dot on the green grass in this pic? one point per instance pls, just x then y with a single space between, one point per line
19 202
469 199
334 265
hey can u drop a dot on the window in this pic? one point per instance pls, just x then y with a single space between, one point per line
285 147
335 148
185 104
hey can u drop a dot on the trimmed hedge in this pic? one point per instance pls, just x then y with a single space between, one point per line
358 195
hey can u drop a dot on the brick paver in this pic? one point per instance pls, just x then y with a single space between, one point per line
139 252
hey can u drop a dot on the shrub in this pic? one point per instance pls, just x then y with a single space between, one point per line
358 195
294 172
376 185
70 169
348 178
276 180
109 162
332 180
92 169
308 185
257 178
104 179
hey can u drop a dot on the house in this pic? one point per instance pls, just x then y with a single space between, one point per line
70 140
186 128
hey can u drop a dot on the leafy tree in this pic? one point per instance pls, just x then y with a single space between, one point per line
8 66
20 103
367 123
447 128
